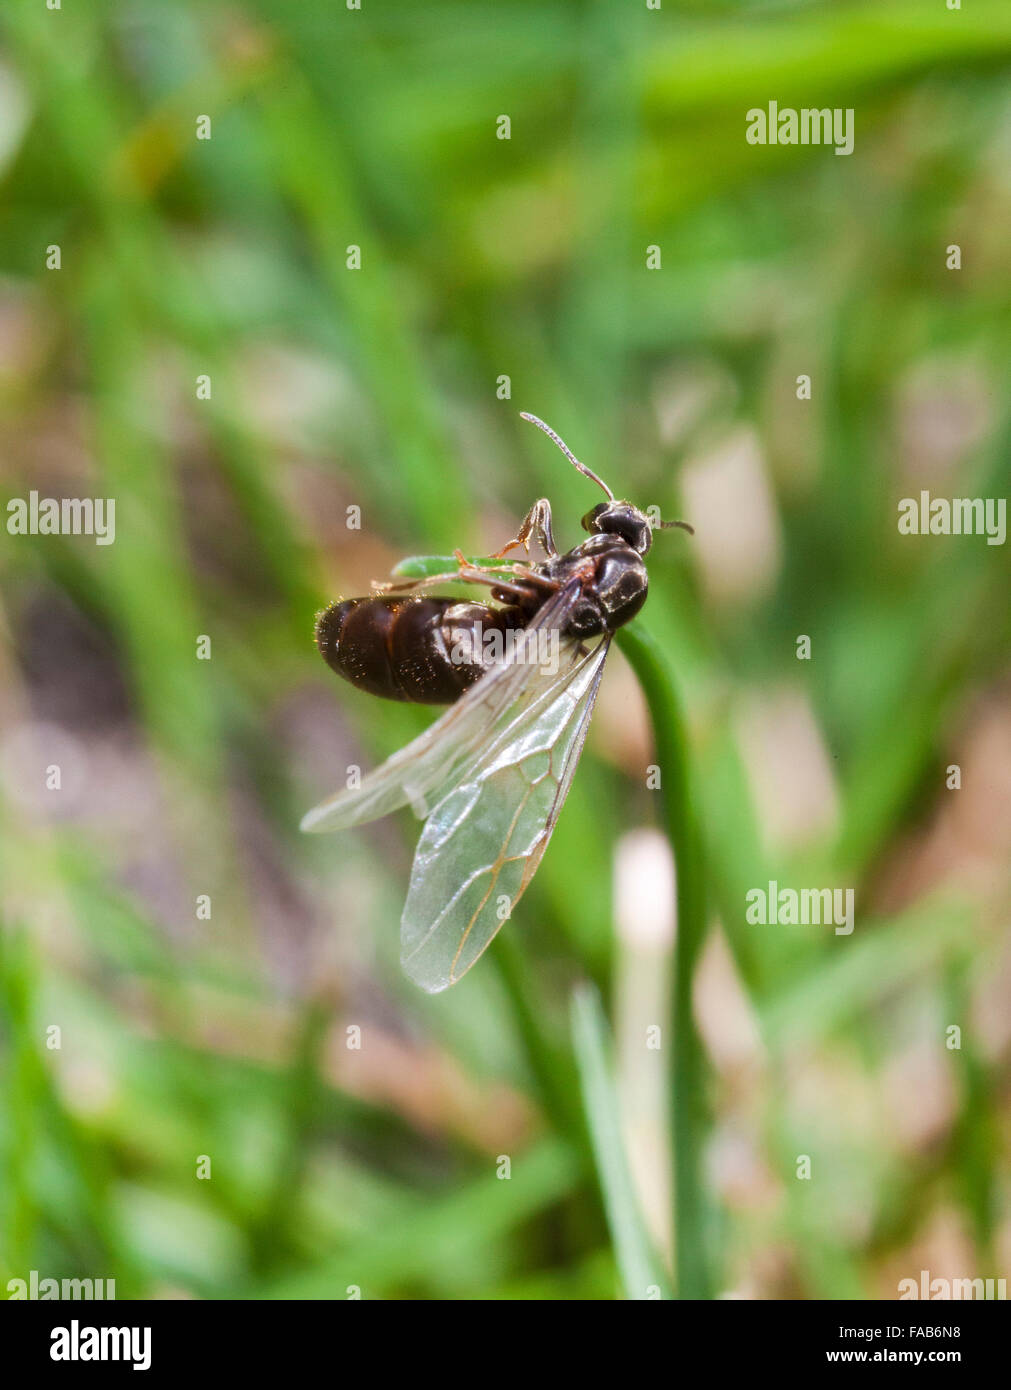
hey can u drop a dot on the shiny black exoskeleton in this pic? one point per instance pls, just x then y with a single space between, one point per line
424 650
617 590
430 650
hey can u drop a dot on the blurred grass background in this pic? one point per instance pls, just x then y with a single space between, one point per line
482 258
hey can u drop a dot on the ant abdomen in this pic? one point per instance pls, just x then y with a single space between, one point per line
424 650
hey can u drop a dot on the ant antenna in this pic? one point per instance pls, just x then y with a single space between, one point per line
588 472
666 525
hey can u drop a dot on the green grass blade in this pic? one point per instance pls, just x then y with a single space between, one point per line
640 1268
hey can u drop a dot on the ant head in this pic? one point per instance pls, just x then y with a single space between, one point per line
612 517
620 519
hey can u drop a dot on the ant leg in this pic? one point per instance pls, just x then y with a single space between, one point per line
428 581
468 574
491 574
537 523
515 571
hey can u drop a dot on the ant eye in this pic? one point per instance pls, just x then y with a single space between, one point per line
589 521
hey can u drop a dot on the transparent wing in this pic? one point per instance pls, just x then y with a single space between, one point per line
483 841
420 773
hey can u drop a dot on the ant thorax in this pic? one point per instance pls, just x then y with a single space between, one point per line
615 583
